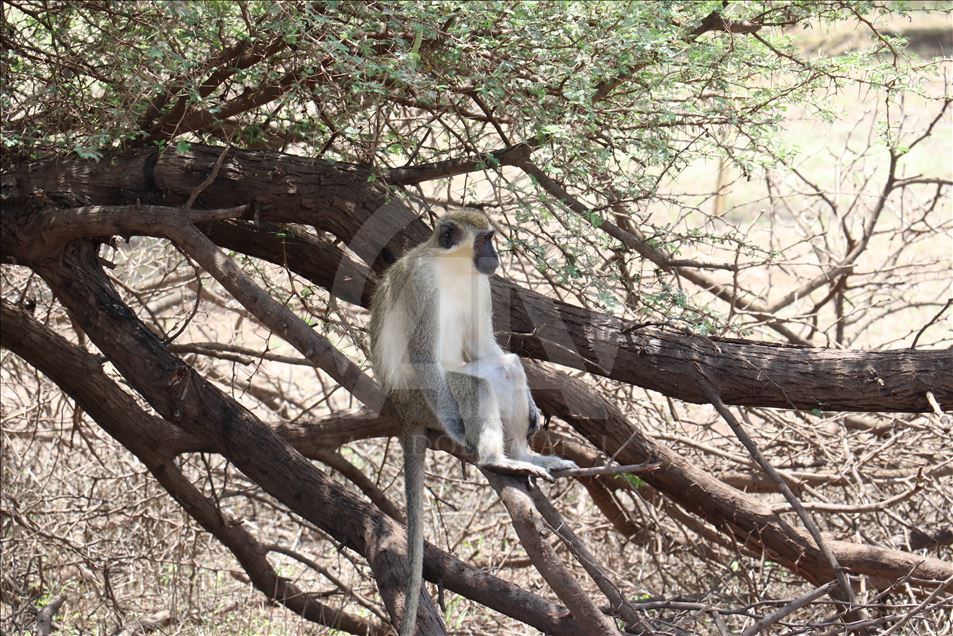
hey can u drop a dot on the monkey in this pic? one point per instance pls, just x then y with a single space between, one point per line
430 316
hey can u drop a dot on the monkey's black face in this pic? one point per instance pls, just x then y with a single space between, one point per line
485 258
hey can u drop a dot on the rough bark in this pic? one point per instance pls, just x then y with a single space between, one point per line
339 199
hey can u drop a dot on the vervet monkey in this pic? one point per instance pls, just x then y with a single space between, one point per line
430 316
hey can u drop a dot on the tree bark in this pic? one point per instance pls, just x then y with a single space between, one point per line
340 199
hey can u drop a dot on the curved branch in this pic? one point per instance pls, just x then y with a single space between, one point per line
349 520
338 198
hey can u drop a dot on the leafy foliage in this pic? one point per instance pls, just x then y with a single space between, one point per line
621 96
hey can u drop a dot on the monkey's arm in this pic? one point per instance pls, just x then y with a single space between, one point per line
431 377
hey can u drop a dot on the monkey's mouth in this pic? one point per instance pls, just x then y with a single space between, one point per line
487 264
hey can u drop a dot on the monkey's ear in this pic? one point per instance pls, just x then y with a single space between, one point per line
449 234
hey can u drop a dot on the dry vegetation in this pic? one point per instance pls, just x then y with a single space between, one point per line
84 522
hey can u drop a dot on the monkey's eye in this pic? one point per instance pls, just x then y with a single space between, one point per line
449 235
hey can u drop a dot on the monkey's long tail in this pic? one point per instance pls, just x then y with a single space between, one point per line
414 441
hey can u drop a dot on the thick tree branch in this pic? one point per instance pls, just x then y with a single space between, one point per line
79 374
338 198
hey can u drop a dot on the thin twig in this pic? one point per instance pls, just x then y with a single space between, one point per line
794 605
713 396
619 606
847 509
919 608
341 585
944 418
593 471
949 301
209 179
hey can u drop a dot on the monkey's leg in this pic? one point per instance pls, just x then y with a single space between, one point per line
480 411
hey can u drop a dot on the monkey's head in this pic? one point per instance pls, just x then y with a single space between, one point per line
467 235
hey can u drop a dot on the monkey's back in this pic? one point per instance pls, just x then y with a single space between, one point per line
390 333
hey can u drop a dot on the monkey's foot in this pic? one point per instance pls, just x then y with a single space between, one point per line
517 468
554 463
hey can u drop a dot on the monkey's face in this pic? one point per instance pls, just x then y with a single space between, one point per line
465 241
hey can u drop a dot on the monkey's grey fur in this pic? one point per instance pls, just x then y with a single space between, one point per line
434 352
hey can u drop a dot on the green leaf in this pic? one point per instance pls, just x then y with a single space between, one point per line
634 480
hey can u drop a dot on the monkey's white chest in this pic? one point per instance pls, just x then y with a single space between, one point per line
461 298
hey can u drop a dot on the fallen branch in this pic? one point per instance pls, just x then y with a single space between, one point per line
146 624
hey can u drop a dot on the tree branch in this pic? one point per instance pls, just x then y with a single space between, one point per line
529 529
348 520
338 198
509 156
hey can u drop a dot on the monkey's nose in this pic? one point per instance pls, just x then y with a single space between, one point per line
487 264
